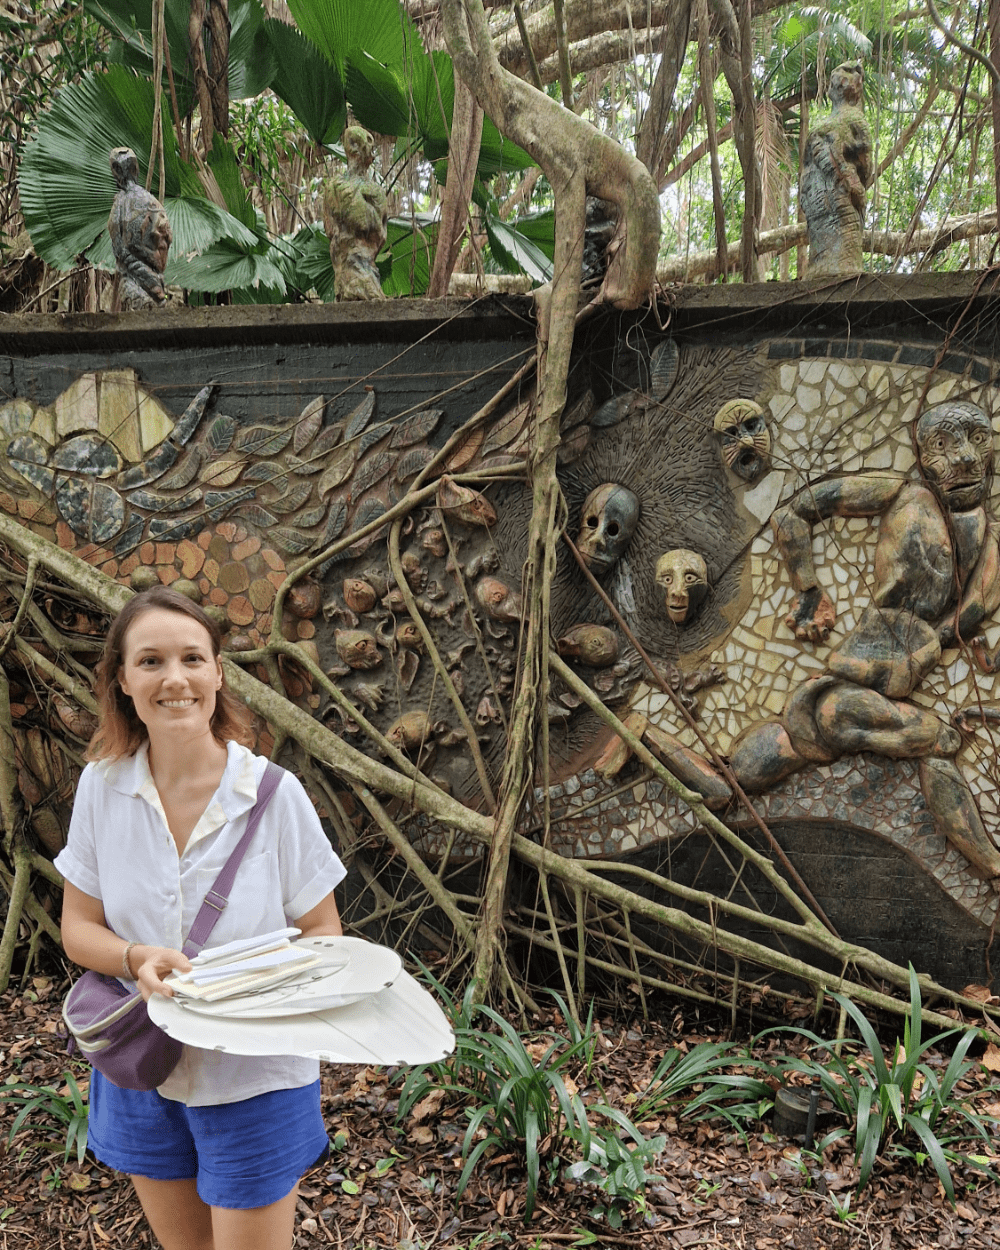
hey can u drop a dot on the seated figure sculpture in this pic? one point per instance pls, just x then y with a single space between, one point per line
354 216
140 236
836 173
936 580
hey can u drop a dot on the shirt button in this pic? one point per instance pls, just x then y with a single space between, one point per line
173 898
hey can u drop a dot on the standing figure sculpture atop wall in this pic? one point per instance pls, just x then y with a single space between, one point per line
836 173
140 236
354 215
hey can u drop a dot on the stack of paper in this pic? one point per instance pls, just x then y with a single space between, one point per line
243 967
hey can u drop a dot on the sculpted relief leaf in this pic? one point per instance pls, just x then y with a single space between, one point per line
339 469
261 440
507 428
259 517
420 426
466 450
186 471
360 417
326 439
288 539
310 518
264 471
312 464
292 499
335 524
222 472
309 423
412 462
371 471
220 434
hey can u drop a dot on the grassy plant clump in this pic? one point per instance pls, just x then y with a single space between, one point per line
703 1084
903 1109
518 1096
64 1116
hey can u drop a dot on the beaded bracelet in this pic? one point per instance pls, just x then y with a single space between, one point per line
126 966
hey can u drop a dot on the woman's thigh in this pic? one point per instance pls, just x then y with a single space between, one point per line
177 1216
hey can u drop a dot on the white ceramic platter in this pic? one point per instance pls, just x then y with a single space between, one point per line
349 969
402 1024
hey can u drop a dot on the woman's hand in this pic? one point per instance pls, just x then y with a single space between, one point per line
152 964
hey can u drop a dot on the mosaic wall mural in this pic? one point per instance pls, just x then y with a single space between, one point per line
787 529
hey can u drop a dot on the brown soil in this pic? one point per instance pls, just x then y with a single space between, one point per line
714 1189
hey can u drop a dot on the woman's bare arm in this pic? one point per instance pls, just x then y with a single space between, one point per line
89 942
323 919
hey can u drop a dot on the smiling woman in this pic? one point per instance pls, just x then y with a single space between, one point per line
215 1152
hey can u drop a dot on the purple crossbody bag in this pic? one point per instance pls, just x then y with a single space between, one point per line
109 1024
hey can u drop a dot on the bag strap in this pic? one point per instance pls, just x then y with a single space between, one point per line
218 896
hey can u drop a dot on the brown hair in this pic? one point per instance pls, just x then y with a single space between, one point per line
120 731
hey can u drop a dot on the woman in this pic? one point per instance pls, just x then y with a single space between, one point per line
217 1151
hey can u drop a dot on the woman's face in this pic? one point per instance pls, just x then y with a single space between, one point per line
170 674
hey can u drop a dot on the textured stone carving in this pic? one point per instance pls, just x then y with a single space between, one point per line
607 522
354 215
836 173
593 645
140 236
937 569
744 437
683 575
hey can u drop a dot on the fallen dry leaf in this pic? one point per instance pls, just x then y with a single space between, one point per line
421 1135
991 1057
980 993
427 1106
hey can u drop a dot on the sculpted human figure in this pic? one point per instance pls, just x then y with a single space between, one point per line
836 173
936 580
354 216
140 236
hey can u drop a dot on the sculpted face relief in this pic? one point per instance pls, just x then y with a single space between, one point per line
684 576
955 445
745 438
608 520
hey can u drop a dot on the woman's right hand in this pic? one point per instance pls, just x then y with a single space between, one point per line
152 964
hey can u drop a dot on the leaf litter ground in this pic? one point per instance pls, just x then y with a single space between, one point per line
389 1187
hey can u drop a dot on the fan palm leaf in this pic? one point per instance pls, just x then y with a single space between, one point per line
65 182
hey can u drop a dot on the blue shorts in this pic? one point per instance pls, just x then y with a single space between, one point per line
243 1154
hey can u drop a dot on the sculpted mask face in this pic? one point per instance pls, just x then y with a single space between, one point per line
684 576
955 445
607 523
846 84
746 440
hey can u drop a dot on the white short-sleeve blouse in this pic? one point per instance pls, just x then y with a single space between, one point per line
120 850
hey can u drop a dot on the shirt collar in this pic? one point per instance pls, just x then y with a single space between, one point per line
236 794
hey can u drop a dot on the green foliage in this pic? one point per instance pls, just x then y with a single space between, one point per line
64 1116
520 1099
617 1167
405 261
308 83
737 1097
66 183
904 1109
252 62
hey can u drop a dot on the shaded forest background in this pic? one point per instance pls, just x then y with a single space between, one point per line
714 98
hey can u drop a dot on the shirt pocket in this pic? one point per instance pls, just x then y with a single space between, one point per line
254 901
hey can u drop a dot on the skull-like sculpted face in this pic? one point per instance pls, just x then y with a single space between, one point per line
746 440
607 523
955 445
684 577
